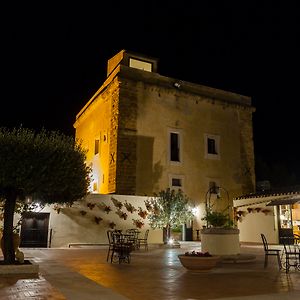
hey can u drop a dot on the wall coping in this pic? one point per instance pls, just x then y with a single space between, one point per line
220 230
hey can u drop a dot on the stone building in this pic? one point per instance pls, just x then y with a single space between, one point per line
145 132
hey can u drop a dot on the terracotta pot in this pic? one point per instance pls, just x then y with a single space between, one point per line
16 241
199 263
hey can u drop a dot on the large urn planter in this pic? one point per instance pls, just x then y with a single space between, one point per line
220 241
16 242
199 263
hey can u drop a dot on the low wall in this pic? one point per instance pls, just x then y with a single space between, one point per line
86 222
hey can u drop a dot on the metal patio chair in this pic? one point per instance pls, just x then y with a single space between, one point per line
144 241
292 253
110 243
270 251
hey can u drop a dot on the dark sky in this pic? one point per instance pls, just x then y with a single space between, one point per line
54 59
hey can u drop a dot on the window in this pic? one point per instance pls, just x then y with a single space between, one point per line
174 147
176 181
96 147
212 146
104 136
140 64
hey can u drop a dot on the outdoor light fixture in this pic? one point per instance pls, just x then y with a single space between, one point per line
195 210
28 199
171 241
177 84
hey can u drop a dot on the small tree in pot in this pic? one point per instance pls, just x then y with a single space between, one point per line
168 209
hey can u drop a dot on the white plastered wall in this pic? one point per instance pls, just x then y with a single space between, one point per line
256 221
71 226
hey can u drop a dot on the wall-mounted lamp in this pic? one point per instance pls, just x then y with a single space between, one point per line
177 84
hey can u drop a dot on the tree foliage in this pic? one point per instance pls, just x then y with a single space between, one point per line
48 166
169 209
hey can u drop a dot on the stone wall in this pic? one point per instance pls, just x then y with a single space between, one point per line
127 140
247 151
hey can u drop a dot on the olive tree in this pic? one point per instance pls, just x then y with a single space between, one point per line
169 209
46 165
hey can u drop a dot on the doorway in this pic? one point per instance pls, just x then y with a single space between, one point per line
34 230
285 222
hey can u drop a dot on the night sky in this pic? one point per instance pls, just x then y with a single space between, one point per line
54 59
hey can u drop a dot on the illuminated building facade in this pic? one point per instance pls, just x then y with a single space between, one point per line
144 132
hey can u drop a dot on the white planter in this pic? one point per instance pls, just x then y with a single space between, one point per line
220 241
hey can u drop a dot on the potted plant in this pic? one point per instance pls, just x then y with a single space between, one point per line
216 219
168 209
198 261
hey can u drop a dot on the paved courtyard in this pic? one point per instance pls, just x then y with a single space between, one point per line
83 273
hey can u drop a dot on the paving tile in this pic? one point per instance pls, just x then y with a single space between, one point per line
83 274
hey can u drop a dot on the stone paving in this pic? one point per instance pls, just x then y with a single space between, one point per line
83 273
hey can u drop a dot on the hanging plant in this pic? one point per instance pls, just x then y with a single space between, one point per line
142 213
90 205
98 219
238 218
138 223
112 225
266 211
241 213
57 208
148 205
121 214
104 207
118 204
107 209
129 207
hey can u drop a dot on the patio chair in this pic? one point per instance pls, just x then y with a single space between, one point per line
296 238
292 253
110 242
134 233
122 248
271 252
144 241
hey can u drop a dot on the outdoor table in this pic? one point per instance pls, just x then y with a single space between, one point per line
122 247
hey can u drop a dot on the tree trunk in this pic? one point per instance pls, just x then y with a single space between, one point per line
9 209
166 234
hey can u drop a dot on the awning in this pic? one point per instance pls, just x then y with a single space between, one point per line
269 201
283 202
